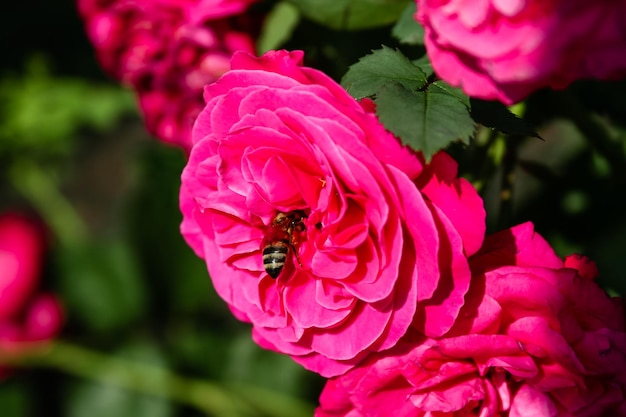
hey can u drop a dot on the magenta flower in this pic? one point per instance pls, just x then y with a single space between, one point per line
20 252
166 51
506 50
537 337
26 317
363 236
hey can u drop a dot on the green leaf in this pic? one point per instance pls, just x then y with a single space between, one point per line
446 88
352 14
427 121
101 286
407 30
424 64
495 115
364 78
278 26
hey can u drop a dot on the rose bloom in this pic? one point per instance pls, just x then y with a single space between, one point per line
166 51
383 238
27 318
537 337
505 50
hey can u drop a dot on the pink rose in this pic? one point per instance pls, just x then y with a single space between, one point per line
504 51
376 239
167 50
25 317
532 340
21 249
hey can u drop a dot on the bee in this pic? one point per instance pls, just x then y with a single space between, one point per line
283 234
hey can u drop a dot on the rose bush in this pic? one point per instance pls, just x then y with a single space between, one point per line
386 235
537 337
26 317
506 50
166 51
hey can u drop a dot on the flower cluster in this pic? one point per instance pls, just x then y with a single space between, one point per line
506 50
536 337
349 251
166 51
27 317
383 238
364 263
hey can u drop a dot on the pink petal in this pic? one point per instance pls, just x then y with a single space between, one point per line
520 246
530 402
324 366
21 247
457 199
333 295
309 314
359 331
440 311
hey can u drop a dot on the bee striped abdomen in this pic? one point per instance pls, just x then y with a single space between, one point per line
274 257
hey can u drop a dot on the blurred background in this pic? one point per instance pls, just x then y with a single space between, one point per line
145 334
74 153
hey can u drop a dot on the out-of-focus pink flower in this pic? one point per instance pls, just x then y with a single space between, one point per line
499 50
534 339
386 236
21 249
167 50
26 317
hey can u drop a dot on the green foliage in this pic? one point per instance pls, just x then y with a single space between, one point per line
445 88
425 116
14 398
42 113
426 120
407 30
366 77
495 115
352 14
256 367
101 285
278 26
94 399
424 65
